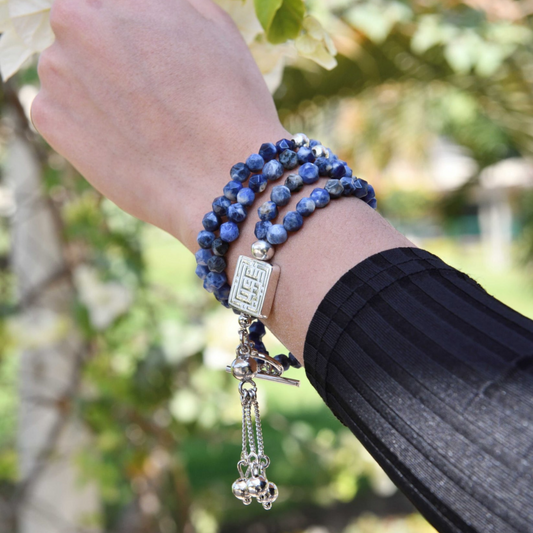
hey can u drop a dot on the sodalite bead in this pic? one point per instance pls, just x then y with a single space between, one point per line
258 183
260 347
202 256
219 247
273 170
332 156
313 142
239 172
349 187
305 207
211 221
324 166
220 205
216 264
231 189
284 360
280 195
293 221
277 234
257 328
294 362
361 188
237 212
201 271
335 188
288 159
370 195
305 155
373 203
261 229
348 172
255 162
320 197
223 292
214 281
294 182
337 170
268 151
285 144
205 239
309 173
246 196
229 231
267 211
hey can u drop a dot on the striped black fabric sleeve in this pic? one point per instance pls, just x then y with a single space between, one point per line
435 377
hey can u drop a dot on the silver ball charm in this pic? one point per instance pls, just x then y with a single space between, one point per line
262 250
319 151
270 496
240 489
300 140
257 486
244 368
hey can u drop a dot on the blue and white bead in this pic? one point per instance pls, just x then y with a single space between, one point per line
306 206
255 162
268 211
276 234
320 196
273 170
280 195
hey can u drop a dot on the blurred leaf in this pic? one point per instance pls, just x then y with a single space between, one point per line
266 11
287 21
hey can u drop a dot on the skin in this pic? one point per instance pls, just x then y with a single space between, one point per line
153 102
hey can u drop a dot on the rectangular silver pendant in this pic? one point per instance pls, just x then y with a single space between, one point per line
253 287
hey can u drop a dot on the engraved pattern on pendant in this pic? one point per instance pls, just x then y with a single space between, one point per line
250 285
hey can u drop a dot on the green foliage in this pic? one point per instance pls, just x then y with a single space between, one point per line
281 19
407 205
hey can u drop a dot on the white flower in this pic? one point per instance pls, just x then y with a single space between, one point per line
104 301
271 60
316 44
26 30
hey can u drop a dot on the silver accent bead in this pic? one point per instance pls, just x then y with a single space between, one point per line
257 486
262 250
243 369
319 151
271 495
300 140
240 489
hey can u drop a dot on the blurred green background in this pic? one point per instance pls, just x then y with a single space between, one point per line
432 102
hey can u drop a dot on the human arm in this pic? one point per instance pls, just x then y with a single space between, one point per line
153 105
435 377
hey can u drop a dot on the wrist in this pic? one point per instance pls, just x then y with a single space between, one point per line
194 202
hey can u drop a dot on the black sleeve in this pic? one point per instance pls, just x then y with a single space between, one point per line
435 377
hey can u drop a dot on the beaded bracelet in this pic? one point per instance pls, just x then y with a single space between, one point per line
255 279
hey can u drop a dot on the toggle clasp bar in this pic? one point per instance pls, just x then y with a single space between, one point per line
276 379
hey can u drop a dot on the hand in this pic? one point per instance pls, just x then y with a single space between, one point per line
153 102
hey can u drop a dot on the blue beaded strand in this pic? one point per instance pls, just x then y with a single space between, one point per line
269 164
